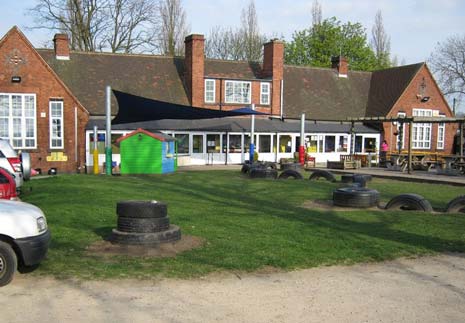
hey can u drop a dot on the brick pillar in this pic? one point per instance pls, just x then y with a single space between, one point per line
273 67
61 44
194 63
340 64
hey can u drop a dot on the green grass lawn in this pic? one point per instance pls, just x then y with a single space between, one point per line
247 224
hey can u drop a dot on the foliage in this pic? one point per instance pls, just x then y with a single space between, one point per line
246 224
315 46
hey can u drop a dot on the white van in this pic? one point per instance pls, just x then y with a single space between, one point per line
19 165
24 237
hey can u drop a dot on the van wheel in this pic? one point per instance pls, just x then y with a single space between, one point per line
8 263
409 202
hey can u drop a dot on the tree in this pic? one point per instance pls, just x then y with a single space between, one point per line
316 13
97 25
244 43
315 46
448 64
253 40
173 28
380 43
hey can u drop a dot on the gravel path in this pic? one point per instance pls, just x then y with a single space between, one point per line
429 289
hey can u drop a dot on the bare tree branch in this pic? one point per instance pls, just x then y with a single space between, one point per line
173 27
448 65
381 42
98 25
317 15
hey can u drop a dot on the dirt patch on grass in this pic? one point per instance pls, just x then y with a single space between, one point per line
106 248
327 205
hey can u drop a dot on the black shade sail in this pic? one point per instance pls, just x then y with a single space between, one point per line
133 108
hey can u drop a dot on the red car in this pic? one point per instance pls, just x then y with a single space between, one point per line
7 185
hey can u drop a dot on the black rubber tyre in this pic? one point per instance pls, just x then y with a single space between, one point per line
347 178
263 173
271 165
359 197
245 168
141 209
147 239
457 205
293 166
362 179
320 173
142 225
8 263
290 173
409 202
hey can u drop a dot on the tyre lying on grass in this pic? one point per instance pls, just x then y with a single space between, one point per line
322 174
457 205
359 197
409 202
263 173
290 173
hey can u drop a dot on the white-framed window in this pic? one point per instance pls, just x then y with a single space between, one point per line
209 91
265 93
18 119
422 131
441 134
56 124
237 92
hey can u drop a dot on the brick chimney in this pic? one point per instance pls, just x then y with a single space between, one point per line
61 45
194 63
273 67
340 64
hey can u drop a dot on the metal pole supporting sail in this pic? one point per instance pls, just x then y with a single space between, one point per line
252 142
302 140
108 152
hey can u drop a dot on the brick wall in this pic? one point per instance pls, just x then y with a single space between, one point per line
36 77
423 85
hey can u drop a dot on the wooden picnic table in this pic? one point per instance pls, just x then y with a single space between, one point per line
420 161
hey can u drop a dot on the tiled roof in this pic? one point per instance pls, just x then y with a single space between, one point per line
387 86
317 92
87 75
321 94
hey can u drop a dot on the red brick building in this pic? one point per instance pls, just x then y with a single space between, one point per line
50 97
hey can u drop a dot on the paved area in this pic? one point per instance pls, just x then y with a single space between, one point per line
429 289
416 176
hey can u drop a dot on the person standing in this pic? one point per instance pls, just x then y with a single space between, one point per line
383 153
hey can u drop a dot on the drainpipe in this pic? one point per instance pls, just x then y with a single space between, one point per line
281 98
108 153
95 151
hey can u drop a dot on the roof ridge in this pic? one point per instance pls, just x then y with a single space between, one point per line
323 68
115 54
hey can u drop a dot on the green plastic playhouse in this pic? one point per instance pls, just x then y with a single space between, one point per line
144 152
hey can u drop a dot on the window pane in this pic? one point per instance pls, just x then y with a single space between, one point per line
197 143
264 144
235 143
183 142
4 105
3 127
17 105
330 144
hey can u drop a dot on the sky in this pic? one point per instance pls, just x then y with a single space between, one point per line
415 26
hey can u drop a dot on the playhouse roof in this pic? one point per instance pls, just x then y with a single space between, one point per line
157 135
